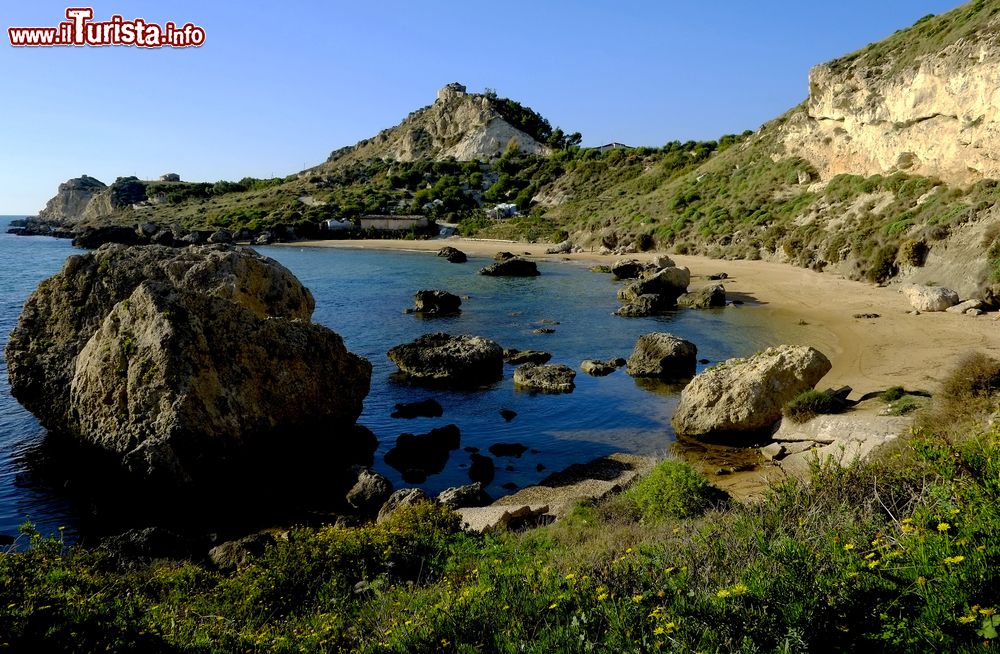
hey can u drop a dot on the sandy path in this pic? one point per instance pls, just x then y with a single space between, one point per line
867 354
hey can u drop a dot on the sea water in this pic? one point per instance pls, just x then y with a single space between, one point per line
362 295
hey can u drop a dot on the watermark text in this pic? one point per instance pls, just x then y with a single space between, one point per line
80 29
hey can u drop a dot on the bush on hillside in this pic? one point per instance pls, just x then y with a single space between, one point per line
673 490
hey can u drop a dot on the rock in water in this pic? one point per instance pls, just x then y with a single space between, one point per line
453 255
513 267
628 268
429 408
930 298
185 365
517 357
746 395
450 360
436 303
705 297
668 284
555 378
662 355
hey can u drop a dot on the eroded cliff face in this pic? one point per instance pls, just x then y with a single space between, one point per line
461 125
70 202
878 112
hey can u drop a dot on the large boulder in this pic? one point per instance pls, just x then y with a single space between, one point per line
436 303
462 497
418 455
645 305
747 395
705 297
629 268
369 492
663 355
183 365
668 284
453 255
554 378
450 360
513 267
930 298
402 498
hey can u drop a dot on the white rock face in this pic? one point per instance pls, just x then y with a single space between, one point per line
937 117
929 298
743 395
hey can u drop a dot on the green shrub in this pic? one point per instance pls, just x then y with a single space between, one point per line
912 253
893 393
673 490
808 405
883 265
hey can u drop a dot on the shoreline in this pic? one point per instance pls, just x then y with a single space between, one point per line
805 307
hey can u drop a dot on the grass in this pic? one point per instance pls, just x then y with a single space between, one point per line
808 405
896 554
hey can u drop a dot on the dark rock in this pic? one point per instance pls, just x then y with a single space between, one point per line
429 408
398 500
543 330
163 237
453 255
600 269
511 486
551 378
539 468
507 414
515 267
718 276
867 316
187 367
461 361
519 357
221 236
667 284
369 492
629 268
6 540
142 545
662 355
235 554
508 449
704 298
94 237
463 497
504 256
645 305
436 303
482 470
471 449
704 361
427 453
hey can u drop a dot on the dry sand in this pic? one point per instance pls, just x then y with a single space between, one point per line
807 308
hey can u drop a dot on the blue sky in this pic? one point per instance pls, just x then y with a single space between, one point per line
277 86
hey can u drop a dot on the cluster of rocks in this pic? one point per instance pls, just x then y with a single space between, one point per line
453 255
509 265
195 369
436 303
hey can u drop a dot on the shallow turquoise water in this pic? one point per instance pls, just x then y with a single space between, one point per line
362 294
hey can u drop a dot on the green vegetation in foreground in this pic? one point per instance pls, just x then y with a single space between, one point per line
898 554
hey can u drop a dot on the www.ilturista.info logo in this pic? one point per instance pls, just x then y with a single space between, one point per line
81 30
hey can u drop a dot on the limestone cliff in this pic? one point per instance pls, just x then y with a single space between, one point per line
71 200
924 101
466 126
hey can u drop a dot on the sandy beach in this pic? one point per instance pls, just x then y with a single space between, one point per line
807 308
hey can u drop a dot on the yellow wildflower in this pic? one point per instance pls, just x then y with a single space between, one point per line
848 547
951 560
966 619
637 598
943 527
723 594
554 605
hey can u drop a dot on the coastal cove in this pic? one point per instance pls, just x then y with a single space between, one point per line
363 287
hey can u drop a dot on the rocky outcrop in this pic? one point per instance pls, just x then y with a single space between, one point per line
555 378
662 355
401 498
929 298
436 303
704 298
654 292
462 361
466 126
453 255
747 395
513 267
369 492
463 497
628 268
71 200
235 554
596 368
184 366
888 109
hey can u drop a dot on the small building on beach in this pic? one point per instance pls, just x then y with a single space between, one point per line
393 223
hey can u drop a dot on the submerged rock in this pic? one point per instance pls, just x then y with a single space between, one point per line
188 366
440 358
420 455
518 357
746 395
662 355
429 408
